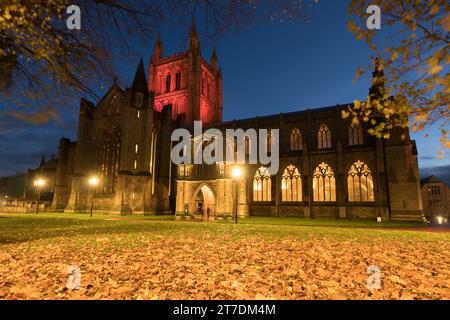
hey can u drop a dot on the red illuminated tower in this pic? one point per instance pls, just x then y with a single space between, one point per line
187 83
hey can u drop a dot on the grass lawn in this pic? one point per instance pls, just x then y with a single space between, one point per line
156 257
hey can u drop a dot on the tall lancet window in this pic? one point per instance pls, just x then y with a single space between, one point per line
108 160
178 81
247 145
296 139
291 185
355 135
324 183
262 185
360 183
168 80
324 137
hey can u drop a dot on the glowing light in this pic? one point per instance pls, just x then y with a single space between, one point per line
39 182
93 181
440 220
236 172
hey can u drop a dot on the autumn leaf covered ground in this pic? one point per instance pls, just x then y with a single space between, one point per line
156 258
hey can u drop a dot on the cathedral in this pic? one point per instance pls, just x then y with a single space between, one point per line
328 168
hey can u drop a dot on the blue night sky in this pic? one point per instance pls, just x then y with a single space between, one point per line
267 68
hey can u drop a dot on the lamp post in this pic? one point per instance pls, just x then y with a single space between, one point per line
237 174
93 182
39 183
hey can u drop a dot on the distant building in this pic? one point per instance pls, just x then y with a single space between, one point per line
436 199
329 167
13 186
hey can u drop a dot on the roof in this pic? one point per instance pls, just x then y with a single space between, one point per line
287 114
430 179
140 80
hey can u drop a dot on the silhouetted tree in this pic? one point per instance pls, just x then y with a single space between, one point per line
413 54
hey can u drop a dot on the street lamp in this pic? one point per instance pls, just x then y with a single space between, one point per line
93 182
236 173
39 183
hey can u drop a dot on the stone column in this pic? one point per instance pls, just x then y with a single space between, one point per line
243 210
340 182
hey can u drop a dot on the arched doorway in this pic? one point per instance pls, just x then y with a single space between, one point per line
205 202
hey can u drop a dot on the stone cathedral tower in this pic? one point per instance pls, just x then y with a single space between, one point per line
186 83
124 139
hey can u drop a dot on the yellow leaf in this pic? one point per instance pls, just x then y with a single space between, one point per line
434 66
435 69
358 73
434 10
445 22
394 56
345 114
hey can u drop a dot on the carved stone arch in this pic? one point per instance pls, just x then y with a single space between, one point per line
291 184
262 185
360 182
328 160
350 161
284 163
205 199
355 134
324 136
108 158
203 184
295 138
324 183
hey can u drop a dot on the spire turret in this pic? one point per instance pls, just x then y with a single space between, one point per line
378 89
158 49
214 60
43 161
140 81
194 42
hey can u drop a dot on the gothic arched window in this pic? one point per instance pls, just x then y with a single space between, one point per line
291 185
324 183
168 80
108 161
247 145
355 135
296 139
360 183
178 80
324 137
262 186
